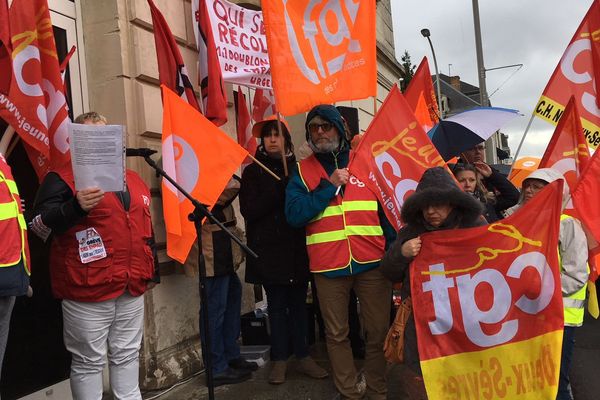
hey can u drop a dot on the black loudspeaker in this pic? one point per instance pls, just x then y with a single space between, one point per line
350 114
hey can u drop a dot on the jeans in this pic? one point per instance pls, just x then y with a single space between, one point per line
287 309
89 328
224 294
6 306
564 385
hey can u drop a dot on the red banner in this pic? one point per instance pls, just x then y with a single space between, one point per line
320 51
244 127
393 154
488 306
36 105
420 96
567 151
263 105
586 198
575 75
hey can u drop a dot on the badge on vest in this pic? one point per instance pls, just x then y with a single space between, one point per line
91 247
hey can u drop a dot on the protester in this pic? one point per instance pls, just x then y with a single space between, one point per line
574 270
282 266
14 251
437 204
505 193
470 178
345 241
102 296
224 292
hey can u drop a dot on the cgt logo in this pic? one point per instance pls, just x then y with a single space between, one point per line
321 36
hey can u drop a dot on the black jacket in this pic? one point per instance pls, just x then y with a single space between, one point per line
281 248
507 195
436 187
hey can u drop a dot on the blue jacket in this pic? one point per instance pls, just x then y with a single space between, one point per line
301 206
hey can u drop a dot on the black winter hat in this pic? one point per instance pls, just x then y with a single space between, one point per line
437 187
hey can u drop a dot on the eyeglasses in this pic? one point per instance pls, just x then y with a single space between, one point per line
325 126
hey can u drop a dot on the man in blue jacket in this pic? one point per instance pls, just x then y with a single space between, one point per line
346 237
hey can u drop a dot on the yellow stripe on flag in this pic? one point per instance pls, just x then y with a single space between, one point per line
526 370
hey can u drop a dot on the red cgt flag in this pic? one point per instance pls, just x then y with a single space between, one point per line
575 75
263 105
567 151
36 105
490 308
210 78
393 154
586 198
201 158
244 126
5 49
420 96
171 70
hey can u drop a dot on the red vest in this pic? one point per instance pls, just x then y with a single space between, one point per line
129 263
347 230
13 229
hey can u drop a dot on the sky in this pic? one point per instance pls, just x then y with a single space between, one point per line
534 33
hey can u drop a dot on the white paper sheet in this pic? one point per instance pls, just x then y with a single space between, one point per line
98 156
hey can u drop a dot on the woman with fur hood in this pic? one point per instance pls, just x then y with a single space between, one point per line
438 203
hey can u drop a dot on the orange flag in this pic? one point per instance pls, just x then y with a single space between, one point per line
420 96
393 154
575 75
567 151
201 158
320 52
490 309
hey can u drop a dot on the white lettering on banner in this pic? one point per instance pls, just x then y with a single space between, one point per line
403 186
567 66
563 166
335 39
472 315
239 36
355 181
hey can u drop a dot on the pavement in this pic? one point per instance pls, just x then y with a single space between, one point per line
584 377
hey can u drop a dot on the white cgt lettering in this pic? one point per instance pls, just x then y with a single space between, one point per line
403 186
567 66
472 316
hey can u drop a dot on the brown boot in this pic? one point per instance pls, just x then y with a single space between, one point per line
309 367
277 375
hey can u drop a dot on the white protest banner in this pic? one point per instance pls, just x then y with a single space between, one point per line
239 35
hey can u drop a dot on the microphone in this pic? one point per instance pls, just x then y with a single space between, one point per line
141 152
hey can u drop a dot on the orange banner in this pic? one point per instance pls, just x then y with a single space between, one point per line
420 96
393 154
488 306
201 158
320 51
574 76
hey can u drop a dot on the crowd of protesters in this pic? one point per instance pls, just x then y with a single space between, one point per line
318 222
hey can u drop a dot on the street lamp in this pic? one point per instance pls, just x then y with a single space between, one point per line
426 34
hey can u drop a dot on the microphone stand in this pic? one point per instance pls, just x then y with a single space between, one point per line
200 211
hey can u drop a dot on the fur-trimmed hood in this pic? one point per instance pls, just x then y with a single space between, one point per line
437 187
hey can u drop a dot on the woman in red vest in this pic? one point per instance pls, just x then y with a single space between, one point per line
101 263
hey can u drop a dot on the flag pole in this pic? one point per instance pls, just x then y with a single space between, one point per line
5 141
263 166
374 105
12 146
521 143
283 158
